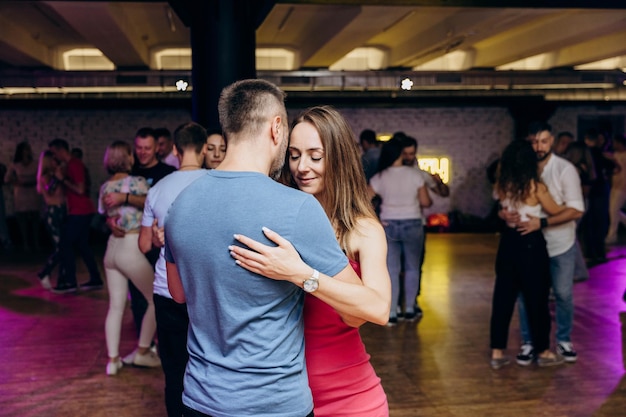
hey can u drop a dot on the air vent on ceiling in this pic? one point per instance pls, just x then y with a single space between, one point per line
448 79
592 78
295 80
131 79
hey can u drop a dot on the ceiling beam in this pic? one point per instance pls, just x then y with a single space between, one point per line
442 37
369 22
547 34
593 50
547 4
16 39
107 27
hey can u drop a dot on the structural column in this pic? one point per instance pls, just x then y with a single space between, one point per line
223 51
525 111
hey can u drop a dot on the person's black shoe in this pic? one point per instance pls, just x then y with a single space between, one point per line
64 288
91 285
414 315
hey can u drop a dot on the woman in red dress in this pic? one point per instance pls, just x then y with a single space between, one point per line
323 160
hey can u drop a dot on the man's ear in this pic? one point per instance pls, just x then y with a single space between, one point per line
277 125
205 149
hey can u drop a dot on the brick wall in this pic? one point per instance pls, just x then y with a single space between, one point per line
91 130
471 137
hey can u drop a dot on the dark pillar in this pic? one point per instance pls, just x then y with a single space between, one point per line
223 51
530 110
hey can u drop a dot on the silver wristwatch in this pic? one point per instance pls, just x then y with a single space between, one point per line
312 283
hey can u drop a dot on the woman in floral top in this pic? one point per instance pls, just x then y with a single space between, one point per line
123 261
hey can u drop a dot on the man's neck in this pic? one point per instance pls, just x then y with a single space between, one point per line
149 165
190 162
245 157
542 164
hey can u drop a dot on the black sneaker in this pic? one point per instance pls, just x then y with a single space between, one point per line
393 321
414 315
91 285
566 349
63 288
526 355
399 313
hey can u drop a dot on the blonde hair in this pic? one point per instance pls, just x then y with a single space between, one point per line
117 157
344 199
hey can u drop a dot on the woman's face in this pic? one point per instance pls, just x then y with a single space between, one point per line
216 151
306 158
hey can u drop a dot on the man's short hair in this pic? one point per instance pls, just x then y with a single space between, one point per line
77 153
246 105
565 134
189 136
536 127
409 141
368 136
592 135
59 144
162 132
144 132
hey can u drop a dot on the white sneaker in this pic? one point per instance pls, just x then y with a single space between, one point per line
147 360
45 282
130 358
113 367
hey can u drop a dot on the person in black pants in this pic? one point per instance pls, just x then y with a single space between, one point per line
522 262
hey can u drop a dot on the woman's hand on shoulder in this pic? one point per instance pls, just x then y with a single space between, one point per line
280 262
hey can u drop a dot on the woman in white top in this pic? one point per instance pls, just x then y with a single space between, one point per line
403 193
522 263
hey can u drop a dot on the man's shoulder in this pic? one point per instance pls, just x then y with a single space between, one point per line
173 184
163 167
558 164
75 163
179 178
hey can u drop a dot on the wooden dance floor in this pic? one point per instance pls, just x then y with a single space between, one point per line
53 352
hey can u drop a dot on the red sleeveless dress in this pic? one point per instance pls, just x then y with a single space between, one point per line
341 377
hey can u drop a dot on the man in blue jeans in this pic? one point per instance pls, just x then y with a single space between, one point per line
563 182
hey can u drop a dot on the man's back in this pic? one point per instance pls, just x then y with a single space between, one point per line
246 331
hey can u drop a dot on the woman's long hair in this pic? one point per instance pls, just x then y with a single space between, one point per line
390 152
23 153
517 171
344 197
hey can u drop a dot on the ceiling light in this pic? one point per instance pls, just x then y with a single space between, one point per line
181 85
406 84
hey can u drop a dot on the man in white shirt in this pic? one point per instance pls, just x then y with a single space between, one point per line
563 182
171 317
165 147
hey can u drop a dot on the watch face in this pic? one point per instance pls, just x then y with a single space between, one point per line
310 285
